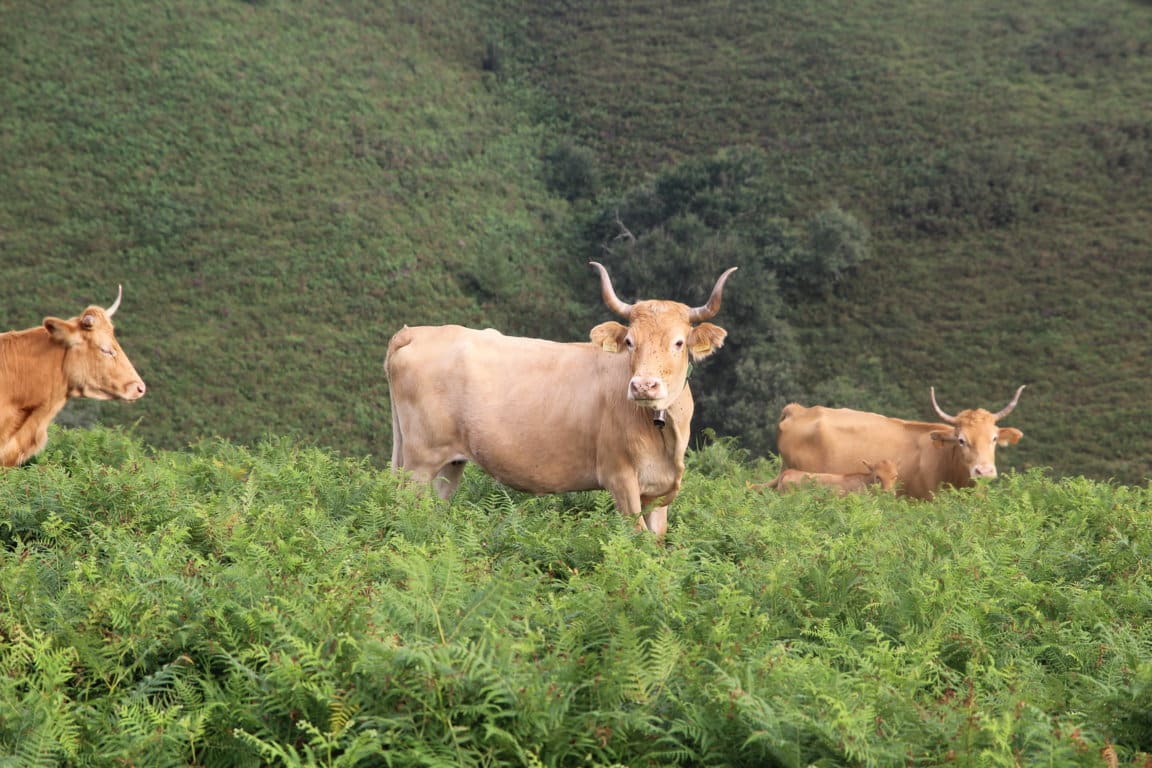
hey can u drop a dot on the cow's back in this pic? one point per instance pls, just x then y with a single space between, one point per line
472 375
820 439
531 412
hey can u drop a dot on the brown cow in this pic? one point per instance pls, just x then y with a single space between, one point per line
929 455
547 417
41 368
883 473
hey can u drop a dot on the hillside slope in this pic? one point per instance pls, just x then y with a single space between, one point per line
1002 158
279 186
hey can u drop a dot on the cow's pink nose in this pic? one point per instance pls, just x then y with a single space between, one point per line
136 390
984 470
645 388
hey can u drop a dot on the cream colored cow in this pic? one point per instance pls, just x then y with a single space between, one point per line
549 417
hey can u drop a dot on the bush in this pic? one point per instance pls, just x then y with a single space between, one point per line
283 606
672 239
836 244
570 171
951 194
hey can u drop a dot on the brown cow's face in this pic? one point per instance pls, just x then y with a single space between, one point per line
94 363
660 342
975 437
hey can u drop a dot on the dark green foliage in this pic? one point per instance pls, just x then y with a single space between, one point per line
954 195
570 172
282 606
674 237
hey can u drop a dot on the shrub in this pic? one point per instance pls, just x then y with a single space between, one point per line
570 171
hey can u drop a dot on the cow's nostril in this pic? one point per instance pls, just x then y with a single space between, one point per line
644 385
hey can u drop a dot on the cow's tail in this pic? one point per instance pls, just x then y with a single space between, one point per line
789 410
397 441
400 339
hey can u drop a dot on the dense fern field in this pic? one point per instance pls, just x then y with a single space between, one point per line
281 605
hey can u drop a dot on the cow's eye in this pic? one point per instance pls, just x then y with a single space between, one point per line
628 342
961 440
678 344
108 351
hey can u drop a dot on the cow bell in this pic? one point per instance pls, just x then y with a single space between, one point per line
660 418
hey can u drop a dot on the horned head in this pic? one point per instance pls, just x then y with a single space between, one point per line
695 314
995 417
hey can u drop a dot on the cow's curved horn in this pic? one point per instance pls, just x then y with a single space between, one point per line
1008 408
609 294
116 304
709 310
939 412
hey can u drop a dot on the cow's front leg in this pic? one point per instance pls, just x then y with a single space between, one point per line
657 516
9 454
657 520
625 492
28 441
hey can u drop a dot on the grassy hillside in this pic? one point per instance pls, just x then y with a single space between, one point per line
280 186
1002 158
279 605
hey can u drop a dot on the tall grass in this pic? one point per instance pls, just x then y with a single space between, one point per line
279 605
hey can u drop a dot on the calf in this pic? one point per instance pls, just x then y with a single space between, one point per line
883 473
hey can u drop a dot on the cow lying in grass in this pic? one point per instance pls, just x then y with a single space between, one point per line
957 452
883 473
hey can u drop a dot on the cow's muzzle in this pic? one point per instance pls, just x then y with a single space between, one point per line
135 390
647 388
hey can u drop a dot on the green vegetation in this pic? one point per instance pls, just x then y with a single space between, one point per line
916 196
279 605
279 186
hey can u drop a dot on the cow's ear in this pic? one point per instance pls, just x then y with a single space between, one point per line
705 339
609 336
62 331
942 436
1009 435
